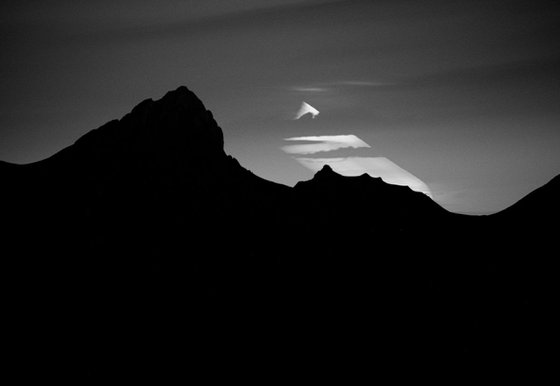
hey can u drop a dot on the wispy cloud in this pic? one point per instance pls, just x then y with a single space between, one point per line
309 89
323 87
359 83
323 143
374 166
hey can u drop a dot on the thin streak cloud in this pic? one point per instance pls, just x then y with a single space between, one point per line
324 87
310 89
323 143
359 83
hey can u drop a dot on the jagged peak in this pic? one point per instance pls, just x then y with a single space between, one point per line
181 97
177 110
326 172
177 125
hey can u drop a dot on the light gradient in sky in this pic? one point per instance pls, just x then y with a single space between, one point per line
465 95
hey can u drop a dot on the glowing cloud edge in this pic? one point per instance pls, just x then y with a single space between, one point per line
374 166
306 108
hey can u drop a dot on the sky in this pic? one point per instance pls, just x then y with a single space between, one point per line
463 96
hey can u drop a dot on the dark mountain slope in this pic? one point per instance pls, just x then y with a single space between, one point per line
144 249
540 205
143 215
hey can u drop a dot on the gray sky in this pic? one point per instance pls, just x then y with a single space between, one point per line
462 94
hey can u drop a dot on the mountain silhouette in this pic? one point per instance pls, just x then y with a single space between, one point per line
144 249
540 204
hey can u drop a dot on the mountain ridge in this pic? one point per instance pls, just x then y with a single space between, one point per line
160 248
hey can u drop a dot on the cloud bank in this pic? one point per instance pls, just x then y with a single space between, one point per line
323 143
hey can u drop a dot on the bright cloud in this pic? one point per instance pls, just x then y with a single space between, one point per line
323 143
306 109
374 166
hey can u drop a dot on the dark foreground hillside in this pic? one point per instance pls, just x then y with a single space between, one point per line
143 250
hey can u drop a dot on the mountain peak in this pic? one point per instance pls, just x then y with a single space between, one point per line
182 95
326 172
176 126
